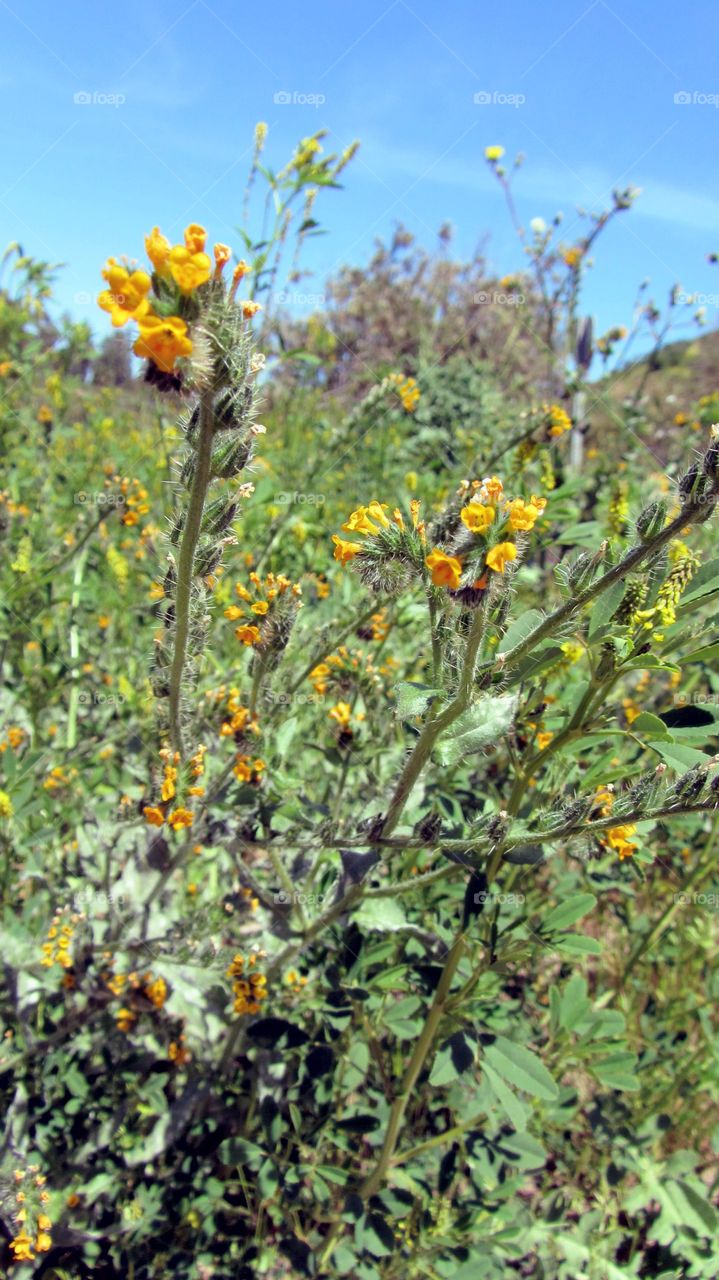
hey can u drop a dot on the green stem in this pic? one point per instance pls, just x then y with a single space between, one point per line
185 565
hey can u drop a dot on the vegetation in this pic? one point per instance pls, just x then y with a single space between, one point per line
358 787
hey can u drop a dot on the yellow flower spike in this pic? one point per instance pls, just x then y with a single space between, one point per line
477 517
195 237
500 556
446 570
162 341
157 248
188 270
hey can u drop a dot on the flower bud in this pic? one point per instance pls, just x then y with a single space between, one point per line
651 520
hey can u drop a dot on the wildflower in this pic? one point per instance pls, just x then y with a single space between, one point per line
490 490
238 274
6 809
248 770
342 713
180 818
222 253
43 1242
162 341
500 556
493 153
618 840
195 237
177 1052
523 515
573 256
344 549
126 297
156 992
157 591
153 816
543 740
22 1248
477 517
407 390
250 308
157 248
125 1019
44 413
557 420
446 570
189 268
249 635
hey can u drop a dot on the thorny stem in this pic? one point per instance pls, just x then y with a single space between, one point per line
185 564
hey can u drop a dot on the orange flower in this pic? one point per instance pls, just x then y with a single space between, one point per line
222 253
250 309
157 248
195 237
446 570
345 550
249 635
153 816
126 296
180 818
189 270
162 341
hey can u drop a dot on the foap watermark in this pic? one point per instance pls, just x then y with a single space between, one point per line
294 98
499 298
280 699
703 900
498 98
697 299
102 498
96 98
100 699
485 899
300 499
294 298
283 898
695 98
95 900
696 700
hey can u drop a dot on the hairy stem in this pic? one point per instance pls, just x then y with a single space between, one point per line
185 564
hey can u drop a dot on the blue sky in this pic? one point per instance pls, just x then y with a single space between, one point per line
596 84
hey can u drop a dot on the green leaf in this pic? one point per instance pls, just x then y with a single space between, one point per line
412 698
520 629
575 1002
678 756
384 914
576 945
605 605
651 725
516 1110
522 1068
567 912
703 582
487 721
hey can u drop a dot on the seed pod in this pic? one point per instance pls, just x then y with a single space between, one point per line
581 572
219 515
692 483
651 520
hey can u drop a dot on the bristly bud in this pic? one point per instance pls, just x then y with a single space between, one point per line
218 515
429 827
232 457
710 461
581 572
651 520
689 786
692 483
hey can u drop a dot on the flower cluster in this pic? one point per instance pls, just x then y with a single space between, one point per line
615 838
56 948
350 667
31 1200
176 816
392 550
684 564
407 390
488 515
142 993
248 987
271 604
14 738
165 303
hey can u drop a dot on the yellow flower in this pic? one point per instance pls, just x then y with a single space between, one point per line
446 570
180 818
360 522
500 555
153 816
345 550
523 515
195 237
342 713
44 413
543 740
476 517
158 248
557 420
22 1248
249 635
260 607
43 1222
126 297
189 270
157 591
156 992
6 809
493 153
43 1242
572 256
162 341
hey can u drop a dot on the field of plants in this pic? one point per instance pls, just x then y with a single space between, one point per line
359 801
